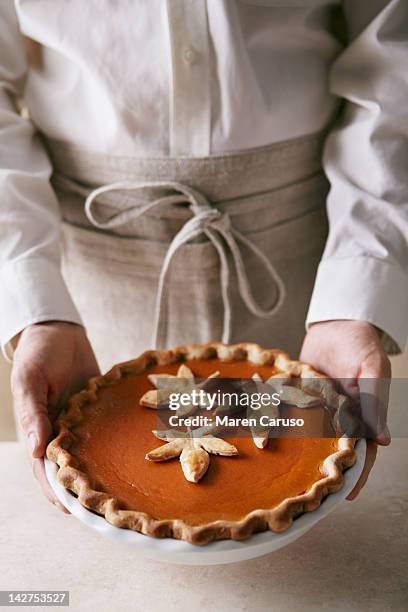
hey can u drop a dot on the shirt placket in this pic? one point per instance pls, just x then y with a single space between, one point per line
190 109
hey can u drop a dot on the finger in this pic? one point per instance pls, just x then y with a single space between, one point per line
34 421
368 465
38 468
374 383
384 438
30 399
374 395
40 475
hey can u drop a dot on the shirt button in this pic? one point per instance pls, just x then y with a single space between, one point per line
189 55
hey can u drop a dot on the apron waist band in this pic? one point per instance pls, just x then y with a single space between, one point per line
219 177
274 165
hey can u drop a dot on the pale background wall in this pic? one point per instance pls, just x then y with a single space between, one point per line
7 429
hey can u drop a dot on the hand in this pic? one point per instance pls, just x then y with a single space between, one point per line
352 350
52 360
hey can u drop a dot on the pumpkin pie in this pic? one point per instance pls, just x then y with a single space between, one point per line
199 485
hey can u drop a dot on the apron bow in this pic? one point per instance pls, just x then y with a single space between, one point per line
207 220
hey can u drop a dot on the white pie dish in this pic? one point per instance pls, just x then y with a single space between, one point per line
224 551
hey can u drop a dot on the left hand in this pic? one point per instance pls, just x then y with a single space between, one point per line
52 360
351 350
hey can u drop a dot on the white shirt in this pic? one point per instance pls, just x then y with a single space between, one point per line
195 77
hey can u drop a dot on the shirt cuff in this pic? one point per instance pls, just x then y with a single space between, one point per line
364 289
32 291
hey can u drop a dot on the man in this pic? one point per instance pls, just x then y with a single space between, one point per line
184 139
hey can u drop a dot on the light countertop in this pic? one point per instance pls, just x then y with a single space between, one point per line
355 559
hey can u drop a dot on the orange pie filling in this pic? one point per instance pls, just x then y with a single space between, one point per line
115 434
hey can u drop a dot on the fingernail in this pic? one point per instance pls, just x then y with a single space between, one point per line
32 440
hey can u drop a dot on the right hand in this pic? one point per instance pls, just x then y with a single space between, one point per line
52 361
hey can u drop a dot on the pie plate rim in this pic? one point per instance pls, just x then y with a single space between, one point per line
181 552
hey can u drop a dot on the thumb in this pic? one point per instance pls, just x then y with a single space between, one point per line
30 399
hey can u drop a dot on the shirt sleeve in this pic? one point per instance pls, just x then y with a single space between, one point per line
363 274
31 286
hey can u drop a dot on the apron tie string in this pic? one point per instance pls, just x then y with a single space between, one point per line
206 220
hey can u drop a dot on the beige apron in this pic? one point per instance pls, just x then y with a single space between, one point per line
168 251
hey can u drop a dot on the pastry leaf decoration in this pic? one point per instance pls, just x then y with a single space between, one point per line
194 453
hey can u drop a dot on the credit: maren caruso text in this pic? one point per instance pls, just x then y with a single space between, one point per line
263 420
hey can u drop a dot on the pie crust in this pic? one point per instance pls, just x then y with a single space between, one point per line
277 518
